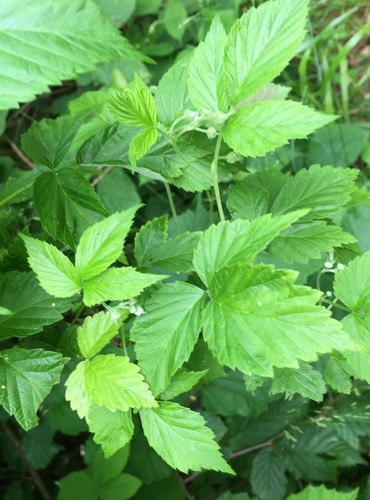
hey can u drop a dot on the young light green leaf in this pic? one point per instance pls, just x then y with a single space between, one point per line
76 392
96 332
26 378
322 189
112 430
101 244
323 493
260 45
4 311
182 439
268 475
306 241
258 319
238 241
112 381
304 380
167 333
67 204
117 284
352 285
133 107
206 80
47 142
259 128
54 270
141 144
170 105
32 308
182 381
54 44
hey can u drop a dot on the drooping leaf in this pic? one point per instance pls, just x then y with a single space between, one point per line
117 284
76 391
112 430
304 380
54 270
170 105
260 45
26 378
238 241
306 241
67 204
166 334
258 319
352 285
43 43
32 308
101 244
323 189
206 80
268 475
182 381
96 331
47 142
182 439
112 381
259 128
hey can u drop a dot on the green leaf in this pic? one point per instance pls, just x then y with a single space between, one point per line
261 44
352 285
304 380
337 375
67 204
259 128
96 332
149 239
133 107
112 381
42 44
39 446
357 364
170 105
112 430
5 312
258 319
176 254
306 241
77 484
18 189
54 270
322 189
117 11
239 241
31 306
141 144
101 244
175 15
122 487
117 284
206 82
47 142
182 439
268 475
323 493
76 391
111 187
165 336
182 381
246 202
26 378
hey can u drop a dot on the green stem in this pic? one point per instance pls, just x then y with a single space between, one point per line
173 208
122 330
214 178
338 306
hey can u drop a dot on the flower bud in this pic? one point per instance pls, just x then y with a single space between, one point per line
211 133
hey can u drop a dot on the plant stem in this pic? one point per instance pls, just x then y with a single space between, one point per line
338 306
173 208
122 330
214 177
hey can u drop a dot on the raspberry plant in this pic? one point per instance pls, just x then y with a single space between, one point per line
200 334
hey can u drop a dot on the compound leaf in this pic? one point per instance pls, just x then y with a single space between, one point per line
259 128
165 336
112 381
32 308
26 378
182 439
54 270
102 244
